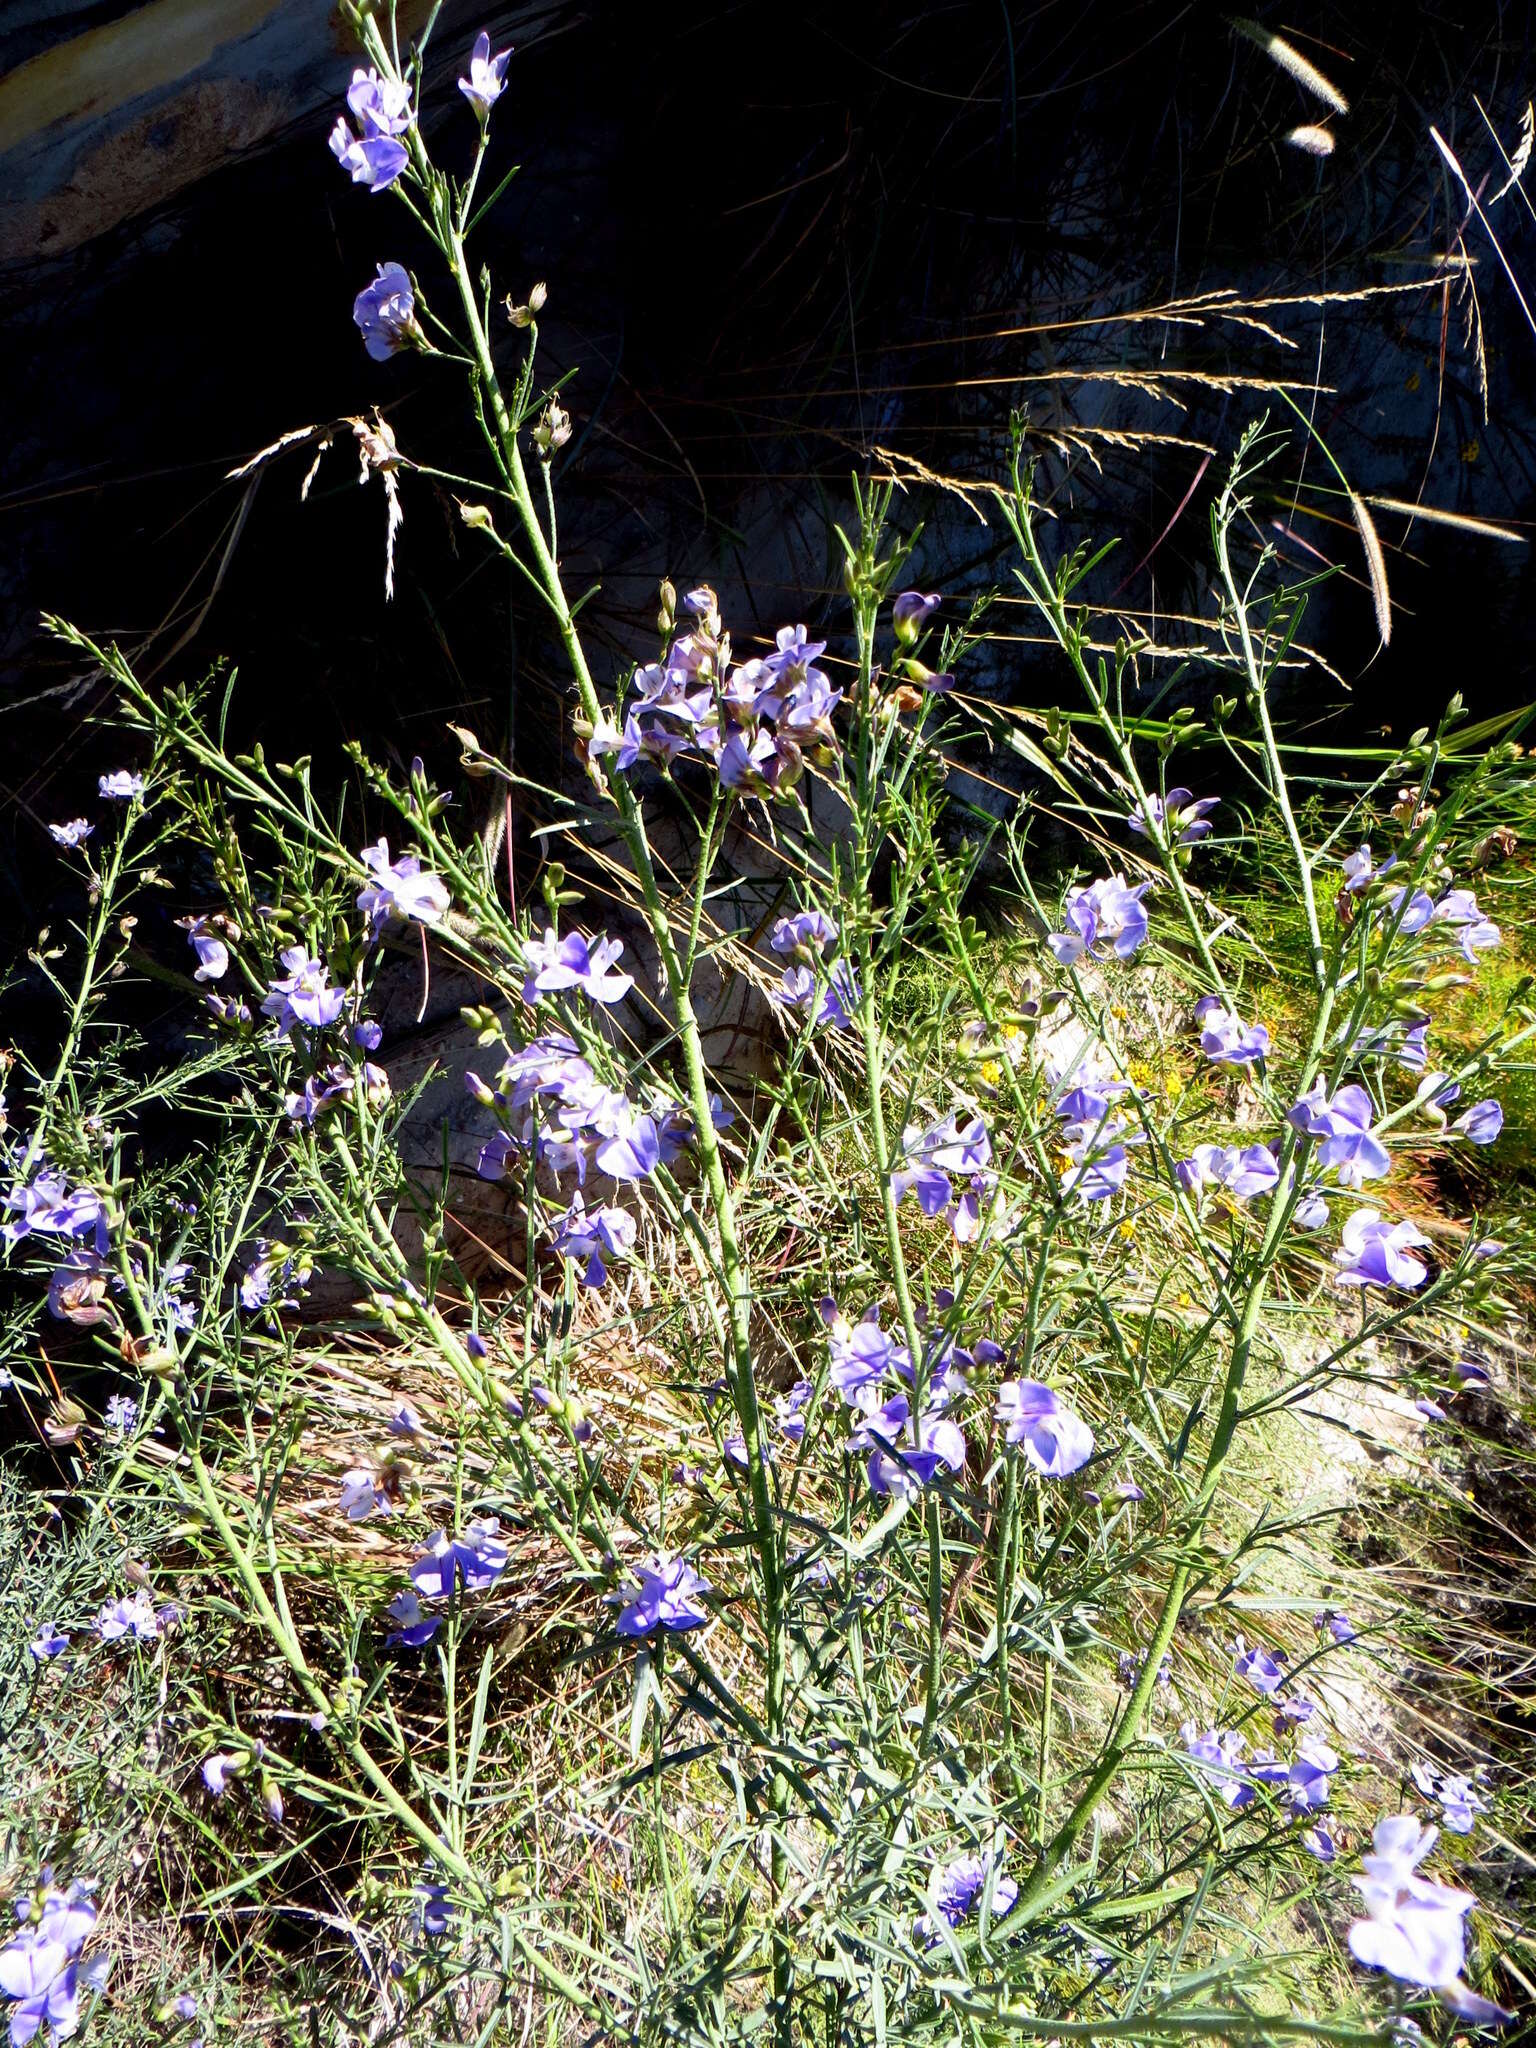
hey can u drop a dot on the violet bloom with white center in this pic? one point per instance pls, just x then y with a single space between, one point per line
1344 1126
1181 815
385 313
1413 1928
1311 1213
554 964
1411 910
588 1237
1054 1440
405 1421
212 953
862 1354
911 611
807 934
133 1615
47 1643
303 995
793 654
832 1009
906 1454
381 106
1482 1123
1358 868
400 889
39 1966
374 161
632 1151
1264 1671
789 1411
74 833
1100 1164
487 79
1225 1039
413 1627
122 785
1106 913
120 1414
1413 1053
662 1596
958 1891
1377 1254
1336 1624
472 1559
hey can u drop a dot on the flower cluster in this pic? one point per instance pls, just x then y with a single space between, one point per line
40 1968
948 1168
372 153
957 1891
828 996
470 1560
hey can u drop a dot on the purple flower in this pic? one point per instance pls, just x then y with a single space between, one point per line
472 1559
212 953
75 833
807 934
414 1627
1311 1213
51 1207
1055 1441
789 1410
400 889
133 1615
553 964
374 160
487 79
862 1354
366 1035
219 1769
662 1596
433 1913
933 1155
1358 869
1100 1164
911 612
405 1421
1107 913
39 1966
1332 1622
1219 1754
830 1001
121 1413
381 106
1344 1125
1482 1123
1252 1171
958 1890
588 1237
1225 1039
1413 910
228 1009
382 110
47 1643
1477 933
1181 815
1413 1929
1263 1670
385 313
361 1495
122 784
633 1149
1376 1254
303 995
906 1454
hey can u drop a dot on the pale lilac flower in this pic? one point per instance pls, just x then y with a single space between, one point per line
487 79
906 1453
1252 1171
405 1421
374 161
911 611
829 1002
1054 1440
958 1890
1460 1804
661 1596
219 1769
121 1413
121 784
807 934
1264 1671
414 1627
1476 933
933 1155
74 833
1184 817
1319 1843
1377 1254
862 1354
1359 869
133 1615
382 106
1413 910
303 995
385 313
1413 1929
47 1643
1336 1624
473 1559
1482 1123
400 889
212 953
49 1206
789 1410
1311 1213
588 1236
632 1150
1344 1125
1106 913
1225 1039
361 1495
39 1967
1220 1754
554 964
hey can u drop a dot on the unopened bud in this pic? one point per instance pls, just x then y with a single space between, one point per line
476 515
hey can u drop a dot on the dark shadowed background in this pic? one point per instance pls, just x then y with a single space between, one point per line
779 238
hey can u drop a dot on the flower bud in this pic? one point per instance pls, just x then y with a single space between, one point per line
476 515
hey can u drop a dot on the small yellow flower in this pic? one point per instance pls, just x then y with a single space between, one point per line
1128 1228
1173 1086
1185 1301
1117 1011
991 1073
